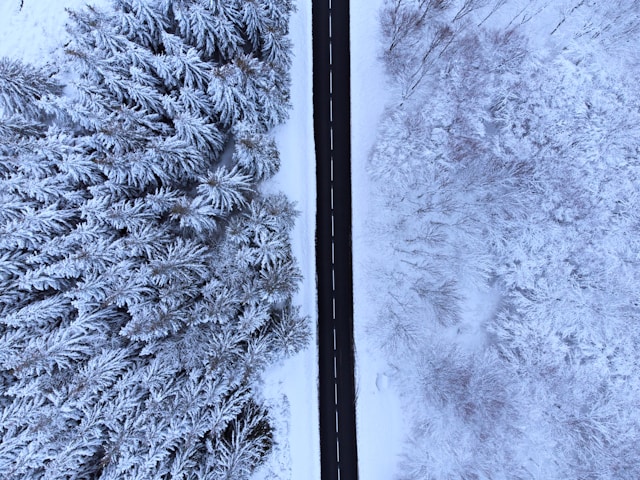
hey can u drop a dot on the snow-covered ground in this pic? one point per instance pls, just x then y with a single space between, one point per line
291 388
381 426
34 31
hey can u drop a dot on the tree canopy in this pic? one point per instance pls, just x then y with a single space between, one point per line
145 280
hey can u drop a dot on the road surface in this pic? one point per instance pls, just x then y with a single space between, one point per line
331 97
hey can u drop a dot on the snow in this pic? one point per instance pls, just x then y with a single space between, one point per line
291 388
478 307
380 423
34 32
391 417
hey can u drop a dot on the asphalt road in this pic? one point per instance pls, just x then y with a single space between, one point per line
332 115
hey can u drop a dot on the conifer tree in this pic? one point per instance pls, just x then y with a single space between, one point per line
145 282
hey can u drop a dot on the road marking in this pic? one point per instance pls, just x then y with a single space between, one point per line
333 272
331 165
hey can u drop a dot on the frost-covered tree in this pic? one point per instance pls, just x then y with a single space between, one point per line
22 87
505 198
145 281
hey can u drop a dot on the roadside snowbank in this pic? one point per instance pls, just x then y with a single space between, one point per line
291 388
381 426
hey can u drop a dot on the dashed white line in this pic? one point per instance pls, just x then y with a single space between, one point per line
333 276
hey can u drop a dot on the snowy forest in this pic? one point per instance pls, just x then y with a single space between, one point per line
505 220
146 280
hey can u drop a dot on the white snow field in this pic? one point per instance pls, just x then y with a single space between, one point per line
34 30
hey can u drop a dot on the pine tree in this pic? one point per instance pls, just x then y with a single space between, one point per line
22 87
132 331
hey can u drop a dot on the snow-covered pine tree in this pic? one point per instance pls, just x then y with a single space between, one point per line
255 153
22 87
145 281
